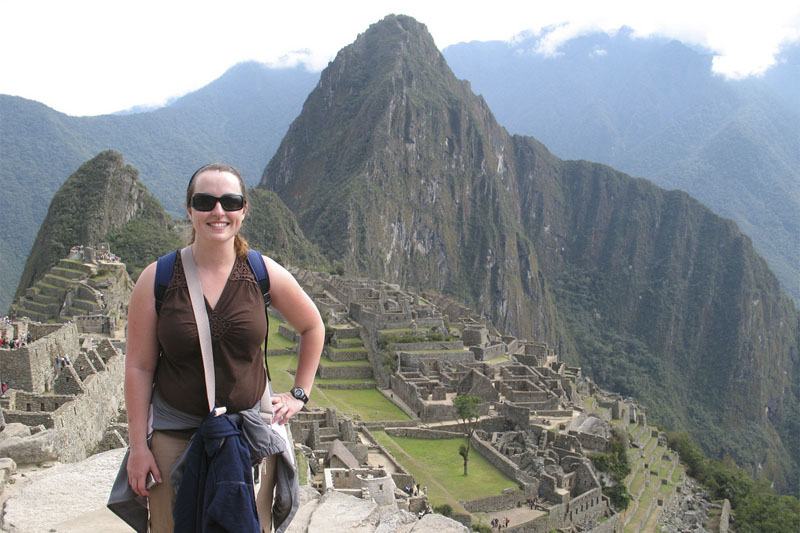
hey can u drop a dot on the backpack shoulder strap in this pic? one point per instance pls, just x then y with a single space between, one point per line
256 261
164 268
259 269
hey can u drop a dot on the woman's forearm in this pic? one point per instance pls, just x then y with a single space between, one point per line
138 392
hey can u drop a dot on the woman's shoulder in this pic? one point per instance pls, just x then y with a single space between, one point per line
148 275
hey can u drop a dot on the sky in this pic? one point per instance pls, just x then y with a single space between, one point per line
90 57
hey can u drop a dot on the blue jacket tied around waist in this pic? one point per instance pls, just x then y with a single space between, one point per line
216 492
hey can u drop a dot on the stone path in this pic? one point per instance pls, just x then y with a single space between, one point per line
65 498
71 498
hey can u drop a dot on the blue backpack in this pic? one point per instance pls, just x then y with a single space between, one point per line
166 264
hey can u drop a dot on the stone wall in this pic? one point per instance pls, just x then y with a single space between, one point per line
421 433
591 442
34 366
499 461
501 502
345 355
31 419
26 401
483 353
288 333
427 345
39 330
517 415
414 359
407 392
362 313
82 420
400 476
345 372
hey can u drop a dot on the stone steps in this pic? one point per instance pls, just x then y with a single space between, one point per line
68 273
346 332
50 290
58 281
45 299
77 265
355 354
88 306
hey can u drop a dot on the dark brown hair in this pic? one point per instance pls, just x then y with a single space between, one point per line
239 242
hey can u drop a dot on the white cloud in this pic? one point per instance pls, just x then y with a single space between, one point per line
99 56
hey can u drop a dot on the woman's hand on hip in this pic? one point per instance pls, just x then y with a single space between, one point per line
284 407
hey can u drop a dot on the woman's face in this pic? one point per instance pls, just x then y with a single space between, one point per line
216 225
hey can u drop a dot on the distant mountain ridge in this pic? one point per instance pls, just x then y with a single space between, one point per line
105 201
653 108
396 169
239 118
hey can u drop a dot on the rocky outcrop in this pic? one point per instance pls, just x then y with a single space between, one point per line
396 169
336 512
18 444
102 196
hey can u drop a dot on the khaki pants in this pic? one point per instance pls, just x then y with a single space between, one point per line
166 450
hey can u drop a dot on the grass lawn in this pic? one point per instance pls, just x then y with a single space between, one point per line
437 465
636 483
275 340
369 404
499 359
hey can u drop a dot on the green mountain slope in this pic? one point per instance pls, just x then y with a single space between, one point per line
398 171
102 201
239 118
653 108
273 229
391 168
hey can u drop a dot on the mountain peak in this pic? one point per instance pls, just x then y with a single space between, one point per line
103 195
394 166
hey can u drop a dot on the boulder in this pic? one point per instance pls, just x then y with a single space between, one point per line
15 429
341 513
34 449
309 501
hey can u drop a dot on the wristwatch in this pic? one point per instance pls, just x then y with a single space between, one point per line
300 394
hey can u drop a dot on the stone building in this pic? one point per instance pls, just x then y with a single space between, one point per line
66 384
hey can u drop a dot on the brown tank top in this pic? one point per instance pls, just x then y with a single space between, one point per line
238 328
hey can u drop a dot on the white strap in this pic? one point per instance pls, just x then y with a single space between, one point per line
201 317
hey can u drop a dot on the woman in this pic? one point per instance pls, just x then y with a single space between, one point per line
216 203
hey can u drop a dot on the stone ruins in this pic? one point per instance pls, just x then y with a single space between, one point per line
65 397
64 381
531 425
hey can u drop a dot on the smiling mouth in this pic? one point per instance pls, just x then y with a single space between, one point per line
218 224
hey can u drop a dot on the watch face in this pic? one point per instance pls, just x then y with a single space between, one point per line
298 393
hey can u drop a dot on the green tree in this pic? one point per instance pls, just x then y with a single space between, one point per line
467 413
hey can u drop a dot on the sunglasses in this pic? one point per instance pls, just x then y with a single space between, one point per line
206 202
